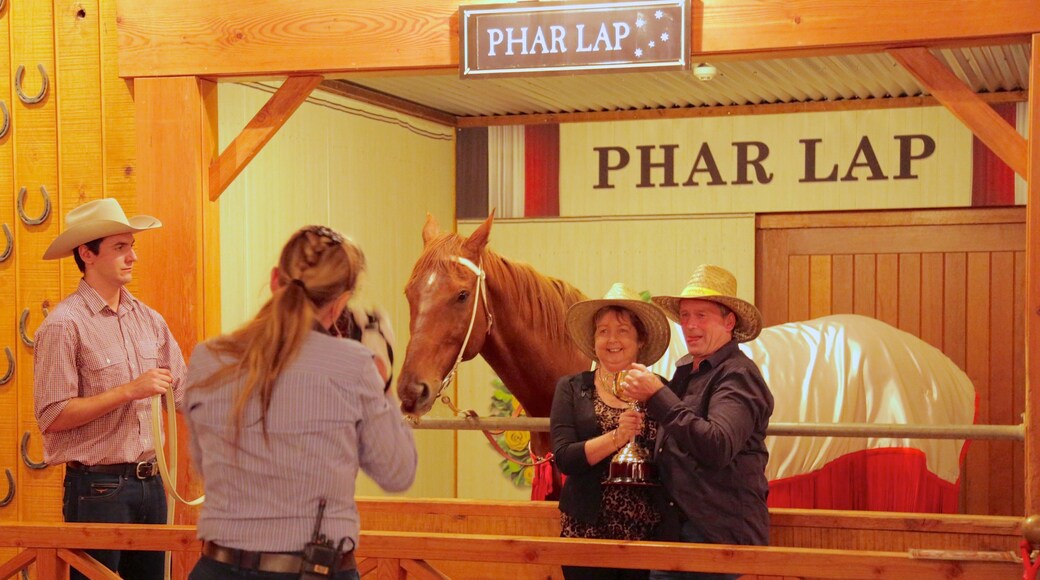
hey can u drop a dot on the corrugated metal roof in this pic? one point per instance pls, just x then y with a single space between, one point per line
986 69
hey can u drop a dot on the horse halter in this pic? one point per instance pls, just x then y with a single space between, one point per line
480 295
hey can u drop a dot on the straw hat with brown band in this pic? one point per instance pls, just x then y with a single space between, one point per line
716 284
581 326
96 219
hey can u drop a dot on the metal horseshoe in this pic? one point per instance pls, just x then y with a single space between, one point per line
10 244
10 489
10 366
18 85
25 454
21 326
46 207
7 114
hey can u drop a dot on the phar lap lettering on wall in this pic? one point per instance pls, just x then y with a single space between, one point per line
752 159
877 159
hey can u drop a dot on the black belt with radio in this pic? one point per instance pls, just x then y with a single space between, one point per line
321 558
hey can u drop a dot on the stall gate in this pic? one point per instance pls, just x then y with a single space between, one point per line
954 278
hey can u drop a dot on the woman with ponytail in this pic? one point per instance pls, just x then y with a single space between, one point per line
282 415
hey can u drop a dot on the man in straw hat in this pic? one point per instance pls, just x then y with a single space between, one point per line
99 356
712 418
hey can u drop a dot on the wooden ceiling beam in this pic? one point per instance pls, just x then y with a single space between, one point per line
257 38
967 106
260 129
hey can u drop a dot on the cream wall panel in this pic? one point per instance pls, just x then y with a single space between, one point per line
369 173
944 177
648 253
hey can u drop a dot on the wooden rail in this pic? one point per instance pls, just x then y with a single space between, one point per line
54 547
992 432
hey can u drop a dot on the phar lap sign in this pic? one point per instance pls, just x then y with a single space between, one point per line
569 37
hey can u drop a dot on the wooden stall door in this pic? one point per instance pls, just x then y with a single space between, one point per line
954 278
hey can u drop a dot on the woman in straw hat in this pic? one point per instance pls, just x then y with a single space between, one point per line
711 452
282 415
589 423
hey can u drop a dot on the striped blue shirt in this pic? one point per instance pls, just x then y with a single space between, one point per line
328 417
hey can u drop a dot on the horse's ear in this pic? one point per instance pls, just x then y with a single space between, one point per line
479 238
430 229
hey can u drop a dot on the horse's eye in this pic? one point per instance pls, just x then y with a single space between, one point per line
463 296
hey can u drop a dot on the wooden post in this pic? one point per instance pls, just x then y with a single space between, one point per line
1032 315
180 263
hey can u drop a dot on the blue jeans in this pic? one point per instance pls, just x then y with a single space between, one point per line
207 569
690 535
115 499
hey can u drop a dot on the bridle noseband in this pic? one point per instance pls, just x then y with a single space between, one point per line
480 295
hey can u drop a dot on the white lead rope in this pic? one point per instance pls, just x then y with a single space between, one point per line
169 476
480 295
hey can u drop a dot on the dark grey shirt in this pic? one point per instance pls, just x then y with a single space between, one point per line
711 451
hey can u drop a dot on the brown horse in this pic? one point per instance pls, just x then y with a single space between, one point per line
518 327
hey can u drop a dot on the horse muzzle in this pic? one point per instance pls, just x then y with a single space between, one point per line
417 398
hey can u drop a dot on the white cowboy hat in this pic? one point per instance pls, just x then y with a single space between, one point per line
581 327
716 285
95 219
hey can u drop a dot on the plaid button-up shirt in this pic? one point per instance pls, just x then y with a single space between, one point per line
83 348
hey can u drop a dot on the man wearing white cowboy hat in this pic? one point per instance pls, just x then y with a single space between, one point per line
712 418
99 356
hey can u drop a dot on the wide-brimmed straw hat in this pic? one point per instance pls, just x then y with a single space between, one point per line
716 285
95 219
581 327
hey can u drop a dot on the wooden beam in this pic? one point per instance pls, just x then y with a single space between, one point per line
12 566
239 38
87 565
1032 294
179 267
260 129
983 121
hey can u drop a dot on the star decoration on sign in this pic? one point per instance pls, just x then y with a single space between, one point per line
659 15
664 37
639 52
651 44
640 22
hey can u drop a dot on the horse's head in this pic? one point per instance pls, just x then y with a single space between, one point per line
445 300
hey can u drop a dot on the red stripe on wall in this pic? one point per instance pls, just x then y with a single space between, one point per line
992 181
541 170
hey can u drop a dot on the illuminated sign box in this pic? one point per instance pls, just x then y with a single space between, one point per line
569 37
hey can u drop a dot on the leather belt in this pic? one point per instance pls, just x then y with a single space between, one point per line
139 470
284 562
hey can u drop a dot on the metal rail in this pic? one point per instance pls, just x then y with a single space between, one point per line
858 430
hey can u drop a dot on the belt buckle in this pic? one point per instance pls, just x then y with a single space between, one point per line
144 470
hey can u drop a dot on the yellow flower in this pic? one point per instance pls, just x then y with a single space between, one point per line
517 440
528 475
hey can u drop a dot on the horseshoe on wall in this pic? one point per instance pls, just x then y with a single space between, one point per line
3 109
10 366
25 454
23 321
10 244
46 207
18 85
10 489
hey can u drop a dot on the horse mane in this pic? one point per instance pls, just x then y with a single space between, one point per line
531 295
